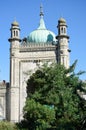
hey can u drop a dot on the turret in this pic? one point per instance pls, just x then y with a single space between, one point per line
15 33
15 38
62 27
13 101
63 38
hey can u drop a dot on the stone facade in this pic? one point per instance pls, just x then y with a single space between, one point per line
2 100
26 57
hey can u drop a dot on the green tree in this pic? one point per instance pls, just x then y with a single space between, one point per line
52 99
4 125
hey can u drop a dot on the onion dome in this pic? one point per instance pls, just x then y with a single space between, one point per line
41 34
15 23
62 21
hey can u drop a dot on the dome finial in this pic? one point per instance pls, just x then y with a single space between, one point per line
42 23
41 10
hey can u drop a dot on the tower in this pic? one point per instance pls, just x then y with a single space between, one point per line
27 54
13 101
62 39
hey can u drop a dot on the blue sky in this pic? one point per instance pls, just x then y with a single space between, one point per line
26 12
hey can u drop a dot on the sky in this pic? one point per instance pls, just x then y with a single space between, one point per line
26 13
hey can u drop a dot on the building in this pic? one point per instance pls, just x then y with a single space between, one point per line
4 89
26 55
2 100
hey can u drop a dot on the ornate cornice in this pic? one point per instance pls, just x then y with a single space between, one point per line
37 47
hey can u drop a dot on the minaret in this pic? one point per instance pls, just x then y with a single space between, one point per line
15 34
13 111
62 38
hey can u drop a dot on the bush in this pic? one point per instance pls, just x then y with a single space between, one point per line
4 125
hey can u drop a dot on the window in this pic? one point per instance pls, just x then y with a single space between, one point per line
62 30
16 33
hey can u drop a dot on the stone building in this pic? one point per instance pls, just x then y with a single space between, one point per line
26 55
3 100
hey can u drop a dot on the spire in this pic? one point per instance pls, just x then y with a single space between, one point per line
42 23
41 11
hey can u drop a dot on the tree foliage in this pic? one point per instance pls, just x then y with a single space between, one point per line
4 125
52 99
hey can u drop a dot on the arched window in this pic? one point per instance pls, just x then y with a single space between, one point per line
64 30
61 29
16 33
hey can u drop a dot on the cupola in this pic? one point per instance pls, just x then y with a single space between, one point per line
41 34
62 27
15 31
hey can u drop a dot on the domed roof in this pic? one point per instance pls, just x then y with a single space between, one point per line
15 23
62 21
41 34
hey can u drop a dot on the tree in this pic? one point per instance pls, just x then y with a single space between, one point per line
52 99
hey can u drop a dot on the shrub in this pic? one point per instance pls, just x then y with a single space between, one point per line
4 125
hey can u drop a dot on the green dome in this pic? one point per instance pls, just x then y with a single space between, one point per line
41 34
